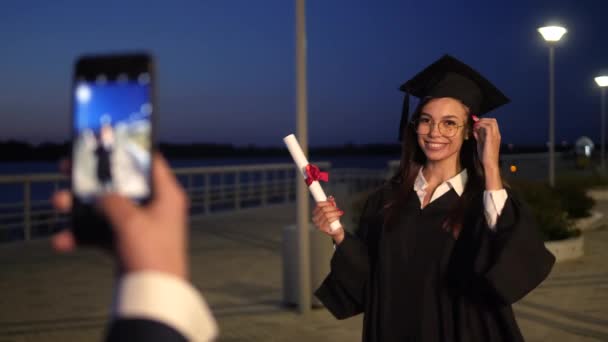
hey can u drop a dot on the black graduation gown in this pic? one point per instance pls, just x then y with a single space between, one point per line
144 330
104 173
414 282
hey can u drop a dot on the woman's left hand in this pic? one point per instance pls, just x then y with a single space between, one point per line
487 134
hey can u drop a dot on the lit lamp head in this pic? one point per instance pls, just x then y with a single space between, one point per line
552 34
602 81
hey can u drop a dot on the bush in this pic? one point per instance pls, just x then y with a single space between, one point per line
548 209
575 200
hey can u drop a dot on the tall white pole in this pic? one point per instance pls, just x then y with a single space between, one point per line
551 116
303 210
552 34
603 133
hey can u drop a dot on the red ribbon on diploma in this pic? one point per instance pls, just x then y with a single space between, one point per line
313 173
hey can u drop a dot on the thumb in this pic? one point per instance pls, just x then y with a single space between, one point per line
118 209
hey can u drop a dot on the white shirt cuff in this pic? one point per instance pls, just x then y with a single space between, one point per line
494 202
167 299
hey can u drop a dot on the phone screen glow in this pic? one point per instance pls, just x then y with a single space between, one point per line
112 124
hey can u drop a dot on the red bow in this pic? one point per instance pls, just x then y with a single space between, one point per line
313 173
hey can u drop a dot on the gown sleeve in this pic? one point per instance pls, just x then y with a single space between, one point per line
343 291
511 260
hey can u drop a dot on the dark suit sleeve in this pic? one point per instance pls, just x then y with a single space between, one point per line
343 292
134 330
512 260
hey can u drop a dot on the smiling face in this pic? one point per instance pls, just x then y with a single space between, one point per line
451 114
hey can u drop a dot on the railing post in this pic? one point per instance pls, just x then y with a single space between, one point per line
288 182
189 185
190 193
27 210
263 192
207 197
237 190
55 213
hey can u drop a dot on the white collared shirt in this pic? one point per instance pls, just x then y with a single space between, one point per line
167 299
493 200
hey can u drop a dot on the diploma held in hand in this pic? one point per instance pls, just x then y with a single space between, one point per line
310 172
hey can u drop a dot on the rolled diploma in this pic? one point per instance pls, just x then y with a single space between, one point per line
300 159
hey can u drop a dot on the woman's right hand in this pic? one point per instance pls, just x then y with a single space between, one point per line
325 213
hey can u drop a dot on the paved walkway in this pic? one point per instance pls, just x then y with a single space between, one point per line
48 297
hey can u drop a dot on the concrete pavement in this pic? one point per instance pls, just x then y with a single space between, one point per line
49 297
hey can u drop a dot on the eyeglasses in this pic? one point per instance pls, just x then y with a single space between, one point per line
448 128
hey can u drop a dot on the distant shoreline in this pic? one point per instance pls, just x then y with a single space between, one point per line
13 150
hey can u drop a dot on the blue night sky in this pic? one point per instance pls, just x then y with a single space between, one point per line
226 68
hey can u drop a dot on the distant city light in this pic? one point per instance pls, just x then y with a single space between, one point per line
101 79
143 78
122 78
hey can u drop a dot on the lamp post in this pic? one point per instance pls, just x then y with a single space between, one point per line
602 82
303 211
552 34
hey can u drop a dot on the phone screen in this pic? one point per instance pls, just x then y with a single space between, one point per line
112 137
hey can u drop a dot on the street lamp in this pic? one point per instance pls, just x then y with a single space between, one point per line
602 82
552 34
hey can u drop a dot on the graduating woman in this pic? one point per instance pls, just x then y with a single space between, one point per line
442 250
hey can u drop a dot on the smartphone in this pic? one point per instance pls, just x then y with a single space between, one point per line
113 111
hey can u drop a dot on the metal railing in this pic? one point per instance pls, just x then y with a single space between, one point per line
357 180
17 217
226 188
28 213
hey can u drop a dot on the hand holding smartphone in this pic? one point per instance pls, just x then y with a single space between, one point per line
113 110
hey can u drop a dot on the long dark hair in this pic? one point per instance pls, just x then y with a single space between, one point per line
413 158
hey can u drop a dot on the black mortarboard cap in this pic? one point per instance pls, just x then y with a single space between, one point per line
449 77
